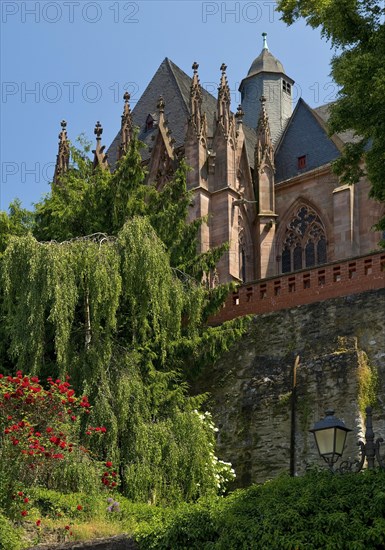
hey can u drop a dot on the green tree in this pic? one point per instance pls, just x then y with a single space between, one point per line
18 221
356 29
116 302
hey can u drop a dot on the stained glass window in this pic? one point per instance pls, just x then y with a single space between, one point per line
304 243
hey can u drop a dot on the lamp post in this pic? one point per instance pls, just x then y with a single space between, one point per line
330 436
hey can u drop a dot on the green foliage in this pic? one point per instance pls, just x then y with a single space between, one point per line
40 440
317 511
51 504
111 313
368 384
9 537
18 221
113 297
357 28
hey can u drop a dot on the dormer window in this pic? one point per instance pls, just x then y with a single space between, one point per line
149 123
301 162
286 86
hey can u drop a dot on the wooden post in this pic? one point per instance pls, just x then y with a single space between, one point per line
293 415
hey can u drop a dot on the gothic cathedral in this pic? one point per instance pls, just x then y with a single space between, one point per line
261 177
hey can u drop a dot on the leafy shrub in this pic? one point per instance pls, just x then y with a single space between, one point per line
317 511
41 443
51 503
9 538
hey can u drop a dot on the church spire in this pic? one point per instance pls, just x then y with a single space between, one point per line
265 46
100 158
267 77
63 156
223 103
264 150
126 127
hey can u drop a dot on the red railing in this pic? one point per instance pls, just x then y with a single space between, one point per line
323 282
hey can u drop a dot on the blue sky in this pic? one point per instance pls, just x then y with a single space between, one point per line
75 59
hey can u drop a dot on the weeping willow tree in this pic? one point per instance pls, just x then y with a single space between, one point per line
116 302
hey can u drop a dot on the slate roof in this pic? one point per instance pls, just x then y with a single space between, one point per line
266 62
305 135
324 112
173 85
305 132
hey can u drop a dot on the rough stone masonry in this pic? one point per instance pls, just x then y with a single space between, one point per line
341 349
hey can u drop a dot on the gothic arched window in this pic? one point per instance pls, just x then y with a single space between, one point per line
304 243
241 250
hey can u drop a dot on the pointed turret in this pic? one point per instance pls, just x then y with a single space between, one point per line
196 116
266 77
264 151
223 104
161 166
196 135
265 191
100 158
63 156
126 127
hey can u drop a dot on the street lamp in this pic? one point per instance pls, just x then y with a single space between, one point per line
330 435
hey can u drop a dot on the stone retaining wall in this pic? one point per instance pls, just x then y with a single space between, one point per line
338 341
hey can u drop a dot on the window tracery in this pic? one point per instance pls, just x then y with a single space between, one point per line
304 243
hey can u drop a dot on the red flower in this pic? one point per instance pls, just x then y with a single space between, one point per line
38 522
26 500
24 513
67 527
20 493
79 507
109 464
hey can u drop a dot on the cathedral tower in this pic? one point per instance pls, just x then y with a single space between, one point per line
267 78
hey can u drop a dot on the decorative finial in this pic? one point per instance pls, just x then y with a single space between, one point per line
161 104
98 130
239 114
195 67
126 97
263 115
223 68
63 156
264 36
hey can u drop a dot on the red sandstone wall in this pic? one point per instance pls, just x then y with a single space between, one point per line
304 287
